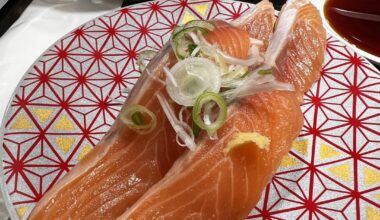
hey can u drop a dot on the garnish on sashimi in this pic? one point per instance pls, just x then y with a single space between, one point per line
224 176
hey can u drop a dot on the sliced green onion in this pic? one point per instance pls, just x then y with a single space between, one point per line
197 111
255 83
265 72
181 48
222 63
181 41
181 38
235 73
138 118
191 48
196 129
133 117
191 77
200 23
196 52
176 29
245 75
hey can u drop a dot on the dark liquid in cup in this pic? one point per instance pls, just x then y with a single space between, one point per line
358 21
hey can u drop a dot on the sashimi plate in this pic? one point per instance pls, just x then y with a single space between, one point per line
71 95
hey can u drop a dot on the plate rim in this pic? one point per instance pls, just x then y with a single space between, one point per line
6 197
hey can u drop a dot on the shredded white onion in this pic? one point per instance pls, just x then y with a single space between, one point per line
255 52
183 132
252 60
221 62
195 51
255 83
266 87
170 76
194 37
180 114
235 73
188 130
179 142
233 83
256 41
126 116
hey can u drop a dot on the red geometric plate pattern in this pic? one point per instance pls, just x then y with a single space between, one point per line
66 103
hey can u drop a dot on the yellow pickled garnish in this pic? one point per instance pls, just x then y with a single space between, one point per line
247 137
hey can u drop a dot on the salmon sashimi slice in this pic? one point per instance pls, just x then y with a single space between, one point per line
302 50
255 26
249 27
121 167
232 40
212 183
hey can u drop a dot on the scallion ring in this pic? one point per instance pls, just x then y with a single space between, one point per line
264 72
181 41
197 111
138 118
200 23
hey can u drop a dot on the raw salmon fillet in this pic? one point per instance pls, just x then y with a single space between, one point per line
304 48
211 184
232 40
259 26
121 167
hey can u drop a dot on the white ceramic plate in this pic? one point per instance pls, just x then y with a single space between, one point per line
64 105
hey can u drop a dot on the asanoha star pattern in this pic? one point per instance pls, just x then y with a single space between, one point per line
70 97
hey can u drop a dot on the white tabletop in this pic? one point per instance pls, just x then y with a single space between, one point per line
41 24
